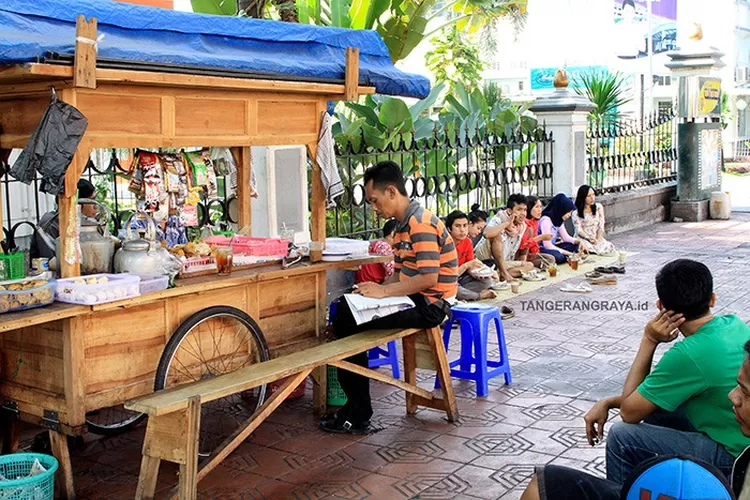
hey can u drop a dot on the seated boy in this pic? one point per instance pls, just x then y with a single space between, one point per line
561 483
502 237
378 273
469 288
679 406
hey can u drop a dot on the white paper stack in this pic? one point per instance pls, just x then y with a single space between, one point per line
366 309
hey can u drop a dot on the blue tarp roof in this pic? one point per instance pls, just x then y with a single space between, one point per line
134 33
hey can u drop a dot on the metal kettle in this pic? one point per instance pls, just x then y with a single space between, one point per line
97 249
140 255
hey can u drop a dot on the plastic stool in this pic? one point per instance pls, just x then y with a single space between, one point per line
474 320
377 356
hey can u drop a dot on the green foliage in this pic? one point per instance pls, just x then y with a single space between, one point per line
607 91
218 7
403 23
455 58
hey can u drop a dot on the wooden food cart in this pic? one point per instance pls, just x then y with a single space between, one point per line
62 364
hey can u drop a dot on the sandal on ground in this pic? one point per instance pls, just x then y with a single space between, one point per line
603 280
580 288
506 312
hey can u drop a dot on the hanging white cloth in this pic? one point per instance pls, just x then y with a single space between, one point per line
326 159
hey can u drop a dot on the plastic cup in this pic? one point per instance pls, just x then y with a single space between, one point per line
514 286
224 259
622 257
573 264
552 272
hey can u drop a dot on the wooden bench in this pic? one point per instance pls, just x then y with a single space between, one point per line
174 423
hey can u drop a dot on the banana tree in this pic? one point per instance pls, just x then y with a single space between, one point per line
404 24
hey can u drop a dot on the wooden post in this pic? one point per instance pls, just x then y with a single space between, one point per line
351 81
317 207
189 470
74 369
410 371
10 434
243 161
64 476
318 198
68 202
443 372
84 73
2 231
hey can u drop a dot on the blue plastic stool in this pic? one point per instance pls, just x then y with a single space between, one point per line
377 356
474 321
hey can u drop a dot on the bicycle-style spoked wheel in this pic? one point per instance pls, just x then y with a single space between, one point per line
213 342
112 421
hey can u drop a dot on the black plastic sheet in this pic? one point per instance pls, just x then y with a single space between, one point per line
51 147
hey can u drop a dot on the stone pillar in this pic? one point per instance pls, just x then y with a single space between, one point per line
565 114
696 65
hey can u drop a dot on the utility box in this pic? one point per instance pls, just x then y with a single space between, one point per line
699 160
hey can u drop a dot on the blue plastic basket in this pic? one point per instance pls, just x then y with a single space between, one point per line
18 465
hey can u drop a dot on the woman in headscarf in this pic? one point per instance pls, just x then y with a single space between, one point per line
561 244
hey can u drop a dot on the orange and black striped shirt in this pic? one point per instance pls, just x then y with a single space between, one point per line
424 246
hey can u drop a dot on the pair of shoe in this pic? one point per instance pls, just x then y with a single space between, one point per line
337 423
610 270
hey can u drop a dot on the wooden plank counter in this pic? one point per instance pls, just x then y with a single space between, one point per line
60 310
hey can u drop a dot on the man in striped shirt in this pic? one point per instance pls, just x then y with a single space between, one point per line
426 266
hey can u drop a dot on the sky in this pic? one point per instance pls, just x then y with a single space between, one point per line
182 5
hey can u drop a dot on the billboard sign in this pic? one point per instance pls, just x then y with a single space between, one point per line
631 27
542 78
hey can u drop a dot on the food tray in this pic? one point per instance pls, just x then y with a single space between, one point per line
13 297
198 264
153 282
266 247
345 245
83 291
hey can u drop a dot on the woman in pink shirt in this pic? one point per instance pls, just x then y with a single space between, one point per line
561 244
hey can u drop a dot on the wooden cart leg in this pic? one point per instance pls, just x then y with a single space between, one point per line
147 478
320 390
410 371
11 433
443 372
64 477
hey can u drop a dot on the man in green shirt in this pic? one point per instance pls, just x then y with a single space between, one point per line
681 405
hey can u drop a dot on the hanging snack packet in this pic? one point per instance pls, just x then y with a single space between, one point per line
136 174
198 168
153 181
213 186
172 166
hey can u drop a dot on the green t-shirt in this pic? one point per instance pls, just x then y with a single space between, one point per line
699 372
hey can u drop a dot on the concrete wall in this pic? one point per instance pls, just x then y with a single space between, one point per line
637 208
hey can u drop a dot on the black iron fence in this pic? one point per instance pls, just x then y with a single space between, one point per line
446 172
627 155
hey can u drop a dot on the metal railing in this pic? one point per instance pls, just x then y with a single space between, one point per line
627 155
445 173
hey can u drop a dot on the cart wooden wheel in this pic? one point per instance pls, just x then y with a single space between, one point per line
212 342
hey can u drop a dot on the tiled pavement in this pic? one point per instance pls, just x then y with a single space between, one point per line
561 362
